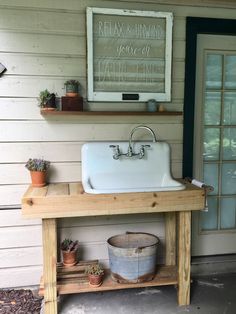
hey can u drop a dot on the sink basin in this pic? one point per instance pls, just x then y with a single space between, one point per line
102 174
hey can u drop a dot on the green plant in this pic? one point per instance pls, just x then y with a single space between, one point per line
69 245
94 269
72 82
46 99
37 164
72 87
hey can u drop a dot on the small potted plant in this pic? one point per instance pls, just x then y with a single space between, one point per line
72 88
38 171
95 274
69 250
47 100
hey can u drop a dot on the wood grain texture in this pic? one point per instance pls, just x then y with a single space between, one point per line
84 204
170 232
49 265
166 275
184 256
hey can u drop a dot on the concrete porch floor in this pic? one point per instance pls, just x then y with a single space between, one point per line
213 294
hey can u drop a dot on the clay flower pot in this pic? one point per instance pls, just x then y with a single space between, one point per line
69 258
72 88
95 280
95 274
38 178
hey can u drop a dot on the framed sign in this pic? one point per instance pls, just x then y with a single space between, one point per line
129 55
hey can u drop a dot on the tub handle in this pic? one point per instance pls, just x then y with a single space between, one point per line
140 248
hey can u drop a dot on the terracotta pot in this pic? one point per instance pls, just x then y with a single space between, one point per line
38 178
69 94
69 258
95 280
72 90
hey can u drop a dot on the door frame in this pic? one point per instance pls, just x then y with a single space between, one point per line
195 26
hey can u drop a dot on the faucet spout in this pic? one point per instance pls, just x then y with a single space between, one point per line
130 150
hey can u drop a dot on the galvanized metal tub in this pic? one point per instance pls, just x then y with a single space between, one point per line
133 257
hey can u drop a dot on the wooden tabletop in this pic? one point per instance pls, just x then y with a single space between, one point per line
69 200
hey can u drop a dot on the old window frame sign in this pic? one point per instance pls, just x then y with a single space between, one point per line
129 55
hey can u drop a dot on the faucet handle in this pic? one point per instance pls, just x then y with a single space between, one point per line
142 150
116 151
113 146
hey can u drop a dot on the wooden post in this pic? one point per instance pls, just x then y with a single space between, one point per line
170 227
49 229
184 256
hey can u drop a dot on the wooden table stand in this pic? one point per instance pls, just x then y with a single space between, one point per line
69 200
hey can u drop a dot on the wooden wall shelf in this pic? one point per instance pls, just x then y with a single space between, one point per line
111 113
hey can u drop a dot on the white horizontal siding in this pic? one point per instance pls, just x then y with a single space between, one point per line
19 257
20 236
56 151
60 172
10 195
20 276
12 218
43 43
19 131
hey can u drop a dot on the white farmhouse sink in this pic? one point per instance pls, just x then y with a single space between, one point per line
101 173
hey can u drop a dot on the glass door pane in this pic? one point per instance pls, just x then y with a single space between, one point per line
219 141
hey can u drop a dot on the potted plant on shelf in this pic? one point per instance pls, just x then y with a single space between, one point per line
95 274
72 88
47 100
38 171
69 250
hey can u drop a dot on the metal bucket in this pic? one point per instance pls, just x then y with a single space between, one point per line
133 257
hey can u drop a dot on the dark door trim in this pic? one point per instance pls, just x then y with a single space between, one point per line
195 26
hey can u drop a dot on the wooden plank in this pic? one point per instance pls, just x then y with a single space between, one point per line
169 5
34 191
13 217
26 64
170 231
88 132
112 113
29 110
10 195
53 151
59 172
75 188
165 276
49 264
18 174
43 21
20 276
42 43
192 198
58 189
184 256
21 257
85 234
84 222
18 236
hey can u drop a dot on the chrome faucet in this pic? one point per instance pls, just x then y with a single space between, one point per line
130 152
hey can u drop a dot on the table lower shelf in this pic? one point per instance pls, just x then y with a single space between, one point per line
78 283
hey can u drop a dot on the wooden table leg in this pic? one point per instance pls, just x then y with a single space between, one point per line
170 227
49 228
184 256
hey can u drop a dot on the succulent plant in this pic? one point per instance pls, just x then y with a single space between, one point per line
37 164
46 99
69 245
94 269
72 82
